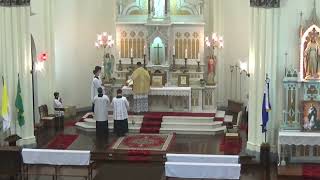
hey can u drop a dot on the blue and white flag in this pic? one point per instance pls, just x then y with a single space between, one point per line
266 107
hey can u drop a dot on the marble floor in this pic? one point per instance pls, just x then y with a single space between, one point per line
203 144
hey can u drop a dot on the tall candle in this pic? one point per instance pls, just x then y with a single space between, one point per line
199 56
119 54
173 50
144 50
186 53
131 53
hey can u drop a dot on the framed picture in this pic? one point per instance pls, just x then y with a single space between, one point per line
183 80
311 116
157 80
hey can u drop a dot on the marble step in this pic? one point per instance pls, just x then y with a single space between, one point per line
210 131
191 125
186 119
89 127
220 116
92 122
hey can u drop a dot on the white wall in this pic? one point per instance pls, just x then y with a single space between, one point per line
41 28
236 34
77 22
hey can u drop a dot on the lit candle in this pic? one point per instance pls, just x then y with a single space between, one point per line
119 54
173 50
144 50
186 53
131 53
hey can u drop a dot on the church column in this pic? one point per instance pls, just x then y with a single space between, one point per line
263 58
15 58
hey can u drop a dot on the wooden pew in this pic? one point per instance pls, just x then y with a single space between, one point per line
11 161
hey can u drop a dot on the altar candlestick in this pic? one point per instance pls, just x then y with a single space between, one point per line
144 50
186 53
173 50
131 53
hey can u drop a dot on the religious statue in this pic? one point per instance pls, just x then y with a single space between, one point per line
159 8
311 57
211 70
108 67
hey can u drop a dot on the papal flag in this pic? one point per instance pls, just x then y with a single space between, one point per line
5 107
19 105
266 107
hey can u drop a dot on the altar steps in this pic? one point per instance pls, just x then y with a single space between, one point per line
166 124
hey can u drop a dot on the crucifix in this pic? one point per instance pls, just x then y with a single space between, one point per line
158 54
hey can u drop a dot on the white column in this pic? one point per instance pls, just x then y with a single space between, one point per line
15 57
214 18
263 59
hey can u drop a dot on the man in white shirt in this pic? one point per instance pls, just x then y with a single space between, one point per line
58 111
120 113
101 103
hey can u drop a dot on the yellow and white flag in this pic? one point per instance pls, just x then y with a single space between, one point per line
5 108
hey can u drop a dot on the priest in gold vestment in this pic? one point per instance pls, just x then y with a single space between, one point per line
141 87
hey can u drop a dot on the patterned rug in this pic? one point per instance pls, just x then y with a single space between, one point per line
142 142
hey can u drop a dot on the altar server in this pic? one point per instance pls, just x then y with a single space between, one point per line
101 103
120 113
58 111
96 83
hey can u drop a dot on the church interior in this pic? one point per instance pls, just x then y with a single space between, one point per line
160 89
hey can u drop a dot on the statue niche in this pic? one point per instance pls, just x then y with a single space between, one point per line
157 51
311 53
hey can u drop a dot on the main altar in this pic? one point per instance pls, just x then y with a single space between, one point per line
167 37
298 139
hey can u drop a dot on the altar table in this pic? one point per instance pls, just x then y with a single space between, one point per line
164 91
297 138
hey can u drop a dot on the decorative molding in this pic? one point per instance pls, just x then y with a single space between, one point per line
10 3
265 3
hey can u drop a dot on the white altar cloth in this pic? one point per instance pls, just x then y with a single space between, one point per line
202 170
299 138
164 91
55 157
202 158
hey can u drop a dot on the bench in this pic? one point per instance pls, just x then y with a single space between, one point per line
55 163
202 166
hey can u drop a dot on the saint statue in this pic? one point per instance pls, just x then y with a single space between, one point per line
311 57
211 70
159 8
108 67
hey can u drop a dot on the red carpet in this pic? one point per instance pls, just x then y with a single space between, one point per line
230 147
152 121
311 171
62 141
